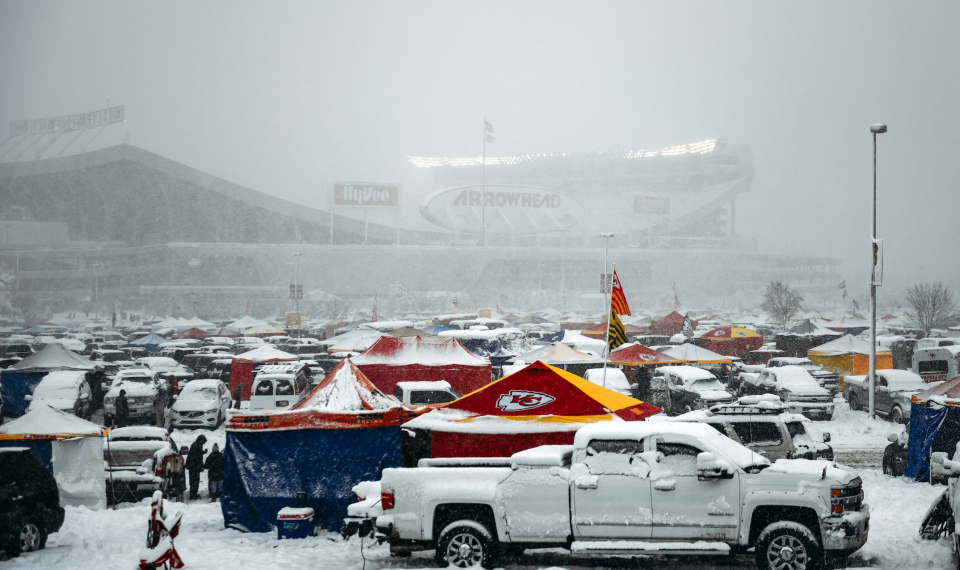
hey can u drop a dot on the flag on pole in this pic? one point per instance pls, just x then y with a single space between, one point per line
487 130
676 300
454 301
615 331
618 300
374 308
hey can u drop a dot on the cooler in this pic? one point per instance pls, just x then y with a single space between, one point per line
294 522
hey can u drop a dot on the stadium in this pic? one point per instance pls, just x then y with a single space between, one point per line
132 224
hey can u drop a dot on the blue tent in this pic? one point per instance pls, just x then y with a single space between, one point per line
321 447
934 426
497 350
149 342
20 379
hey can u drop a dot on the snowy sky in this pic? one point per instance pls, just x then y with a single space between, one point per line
285 97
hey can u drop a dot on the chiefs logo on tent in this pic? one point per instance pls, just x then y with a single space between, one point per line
517 400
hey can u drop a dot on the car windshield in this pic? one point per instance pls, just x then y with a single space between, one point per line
112 357
135 380
201 393
704 385
796 378
808 366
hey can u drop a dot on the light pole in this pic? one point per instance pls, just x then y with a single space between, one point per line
296 289
875 129
606 290
96 291
289 267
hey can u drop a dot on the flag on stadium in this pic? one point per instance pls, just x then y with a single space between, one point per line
615 331
374 319
618 301
487 130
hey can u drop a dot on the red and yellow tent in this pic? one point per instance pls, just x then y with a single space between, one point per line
731 341
538 405
639 355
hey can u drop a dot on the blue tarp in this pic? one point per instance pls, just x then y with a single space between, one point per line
42 449
16 385
931 430
149 342
550 339
264 471
436 329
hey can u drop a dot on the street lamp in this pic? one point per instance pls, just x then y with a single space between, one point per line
296 289
606 291
606 243
876 130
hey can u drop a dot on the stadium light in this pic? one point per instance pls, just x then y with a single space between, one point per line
875 129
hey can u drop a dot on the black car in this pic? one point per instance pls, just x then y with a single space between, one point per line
29 502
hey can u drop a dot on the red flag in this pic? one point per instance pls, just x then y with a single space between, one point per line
374 308
618 301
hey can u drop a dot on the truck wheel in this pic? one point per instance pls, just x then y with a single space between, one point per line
787 547
896 416
854 402
465 544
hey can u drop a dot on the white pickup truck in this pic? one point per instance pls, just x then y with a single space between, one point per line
633 488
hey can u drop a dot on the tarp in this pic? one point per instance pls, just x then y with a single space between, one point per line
241 367
149 342
731 341
390 360
343 433
409 331
69 447
849 356
634 354
538 405
692 354
497 350
436 329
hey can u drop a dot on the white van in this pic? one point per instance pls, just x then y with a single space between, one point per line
279 386
616 380
937 364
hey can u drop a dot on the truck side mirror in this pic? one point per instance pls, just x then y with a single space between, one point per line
826 437
709 466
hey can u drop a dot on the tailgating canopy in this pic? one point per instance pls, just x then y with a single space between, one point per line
149 342
600 331
693 354
241 368
246 321
344 432
225 332
849 356
69 447
20 379
193 333
634 354
558 354
731 341
849 325
390 360
537 405
934 426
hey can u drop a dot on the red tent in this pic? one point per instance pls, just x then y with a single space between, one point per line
390 360
731 341
225 333
600 330
193 333
538 405
669 325
638 355
241 368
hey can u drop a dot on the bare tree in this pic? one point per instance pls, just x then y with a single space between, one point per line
933 305
781 301
30 310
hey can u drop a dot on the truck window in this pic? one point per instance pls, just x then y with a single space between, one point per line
933 367
758 434
398 393
616 457
753 358
264 388
424 397
679 458
284 388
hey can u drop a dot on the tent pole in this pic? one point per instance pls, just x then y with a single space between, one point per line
609 293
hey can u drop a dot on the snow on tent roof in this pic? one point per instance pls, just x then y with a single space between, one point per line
356 344
692 353
53 357
409 331
947 393
425 351
345 389
265 353
558 353
246 321
152 339
812 328
634 354
200 323
846 344
44 420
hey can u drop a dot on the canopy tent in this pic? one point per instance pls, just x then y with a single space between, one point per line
344 432
355 344
731 341
21 378
149 342
408 331
934 427
193 333
693 355
558 354
849 325
538 405
241 367
801 338
225 332
262 330
69 447
355 333
634 354
390 360
200 323
245 321
600 331
669 325
497 350
849 356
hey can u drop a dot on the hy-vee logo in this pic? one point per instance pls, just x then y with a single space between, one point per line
518 400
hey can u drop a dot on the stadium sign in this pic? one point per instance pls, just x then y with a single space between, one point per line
364 195
520 210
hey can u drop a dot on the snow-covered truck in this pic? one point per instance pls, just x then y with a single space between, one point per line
637 488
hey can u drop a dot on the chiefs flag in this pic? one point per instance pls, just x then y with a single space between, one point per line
618 301
617 334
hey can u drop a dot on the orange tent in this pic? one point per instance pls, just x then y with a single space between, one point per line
731 341
600 330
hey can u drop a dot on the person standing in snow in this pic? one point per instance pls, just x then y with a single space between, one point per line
237 394
214 467
195 466
160 406
122 408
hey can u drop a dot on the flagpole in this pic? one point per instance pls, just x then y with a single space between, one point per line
483 192
606 347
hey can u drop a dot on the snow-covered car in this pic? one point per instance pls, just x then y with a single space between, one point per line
826 378
201 403
424 393
141 460
756 360
681 389
764 425
627 489
891 396
142 389
64 390
794 386
616 380
158 364
19 349
279 386
115 357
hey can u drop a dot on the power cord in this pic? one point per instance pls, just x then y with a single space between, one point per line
362 557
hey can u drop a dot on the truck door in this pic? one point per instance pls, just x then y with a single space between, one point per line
612 498
686 508
883 399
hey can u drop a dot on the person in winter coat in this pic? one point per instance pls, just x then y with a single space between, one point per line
160 406
214 467
237 394
122 408
195 466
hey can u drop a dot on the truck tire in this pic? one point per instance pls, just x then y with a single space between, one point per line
464 544
896 416
854 402
788 546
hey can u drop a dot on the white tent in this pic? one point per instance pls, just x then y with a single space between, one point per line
246 321
265 353
76 452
